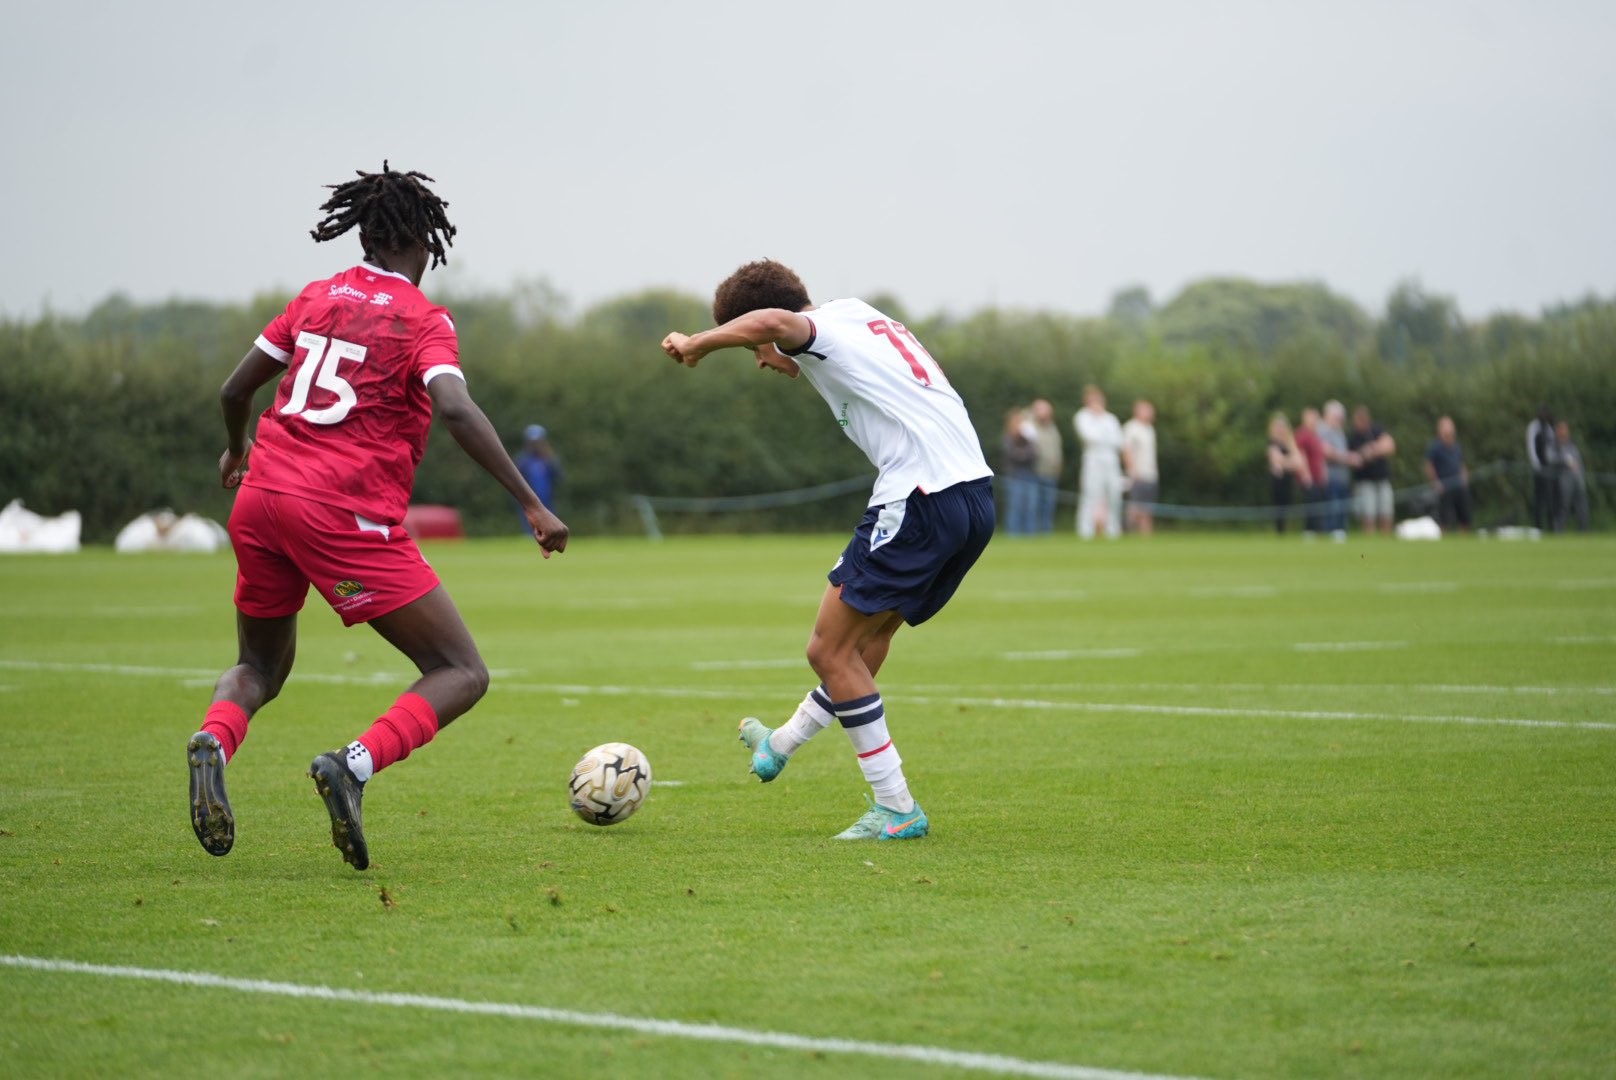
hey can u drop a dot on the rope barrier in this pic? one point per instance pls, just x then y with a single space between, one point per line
647 506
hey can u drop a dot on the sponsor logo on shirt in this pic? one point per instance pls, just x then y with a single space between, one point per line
382 299
843 419
348 292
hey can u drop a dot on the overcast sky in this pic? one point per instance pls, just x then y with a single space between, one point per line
954 154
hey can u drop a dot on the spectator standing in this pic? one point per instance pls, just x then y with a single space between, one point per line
539 465
1018 452
1449 473
1312 448
1371 448
1286 467
1099 496
1139 463
1548 465
1047 469
1338 468
1573 479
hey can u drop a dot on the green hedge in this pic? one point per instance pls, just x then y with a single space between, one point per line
116 412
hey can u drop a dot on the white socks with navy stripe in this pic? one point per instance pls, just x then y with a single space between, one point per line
812 716
865 719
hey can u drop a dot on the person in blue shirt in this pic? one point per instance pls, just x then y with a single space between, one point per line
1449 475
539 465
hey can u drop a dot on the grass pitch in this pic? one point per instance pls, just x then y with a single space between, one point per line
1218 807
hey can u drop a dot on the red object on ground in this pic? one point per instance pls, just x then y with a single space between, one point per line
429 522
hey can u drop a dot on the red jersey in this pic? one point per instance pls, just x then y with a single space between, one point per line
350 417
1312 448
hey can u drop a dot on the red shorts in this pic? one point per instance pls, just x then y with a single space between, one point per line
285 543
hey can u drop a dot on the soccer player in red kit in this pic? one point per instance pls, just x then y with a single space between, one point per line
367 360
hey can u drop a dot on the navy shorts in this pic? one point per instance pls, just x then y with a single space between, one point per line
910 556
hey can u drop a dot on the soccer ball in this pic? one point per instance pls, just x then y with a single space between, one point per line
609 783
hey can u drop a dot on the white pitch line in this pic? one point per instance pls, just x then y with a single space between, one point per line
675 1029
208 676
107 669
1578 584
1586 639
1279 714
1346 688
1347 646
1076 654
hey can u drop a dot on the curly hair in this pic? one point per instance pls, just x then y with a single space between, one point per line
394 211
758 285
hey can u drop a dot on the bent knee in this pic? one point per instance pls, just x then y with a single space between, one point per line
268 677
824 655
476 675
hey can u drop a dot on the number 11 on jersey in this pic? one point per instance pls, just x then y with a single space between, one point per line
919 360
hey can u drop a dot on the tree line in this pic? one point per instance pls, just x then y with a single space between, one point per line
115 412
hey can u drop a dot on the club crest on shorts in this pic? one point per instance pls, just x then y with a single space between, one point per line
347 588
887 523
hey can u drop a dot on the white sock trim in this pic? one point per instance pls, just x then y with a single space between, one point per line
809 720
360 762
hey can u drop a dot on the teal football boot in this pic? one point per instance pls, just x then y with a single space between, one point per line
765 762
884 823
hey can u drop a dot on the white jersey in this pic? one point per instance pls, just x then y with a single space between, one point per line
1101 436
891 399
1139 440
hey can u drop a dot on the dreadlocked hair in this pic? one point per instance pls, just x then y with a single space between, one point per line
394 212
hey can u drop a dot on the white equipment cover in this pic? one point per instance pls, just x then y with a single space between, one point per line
22 531
163 530
1420 528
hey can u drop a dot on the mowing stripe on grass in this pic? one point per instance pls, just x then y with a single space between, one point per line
1076 654
1395 587
912 699
676 1029
1347 646
1079 706
1233 592
748 665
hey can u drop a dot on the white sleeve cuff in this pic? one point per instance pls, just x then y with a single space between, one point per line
442 369
273 349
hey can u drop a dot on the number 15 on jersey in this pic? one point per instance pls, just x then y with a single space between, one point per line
322 358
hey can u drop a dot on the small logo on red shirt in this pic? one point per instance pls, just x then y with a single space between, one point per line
348 292
382 299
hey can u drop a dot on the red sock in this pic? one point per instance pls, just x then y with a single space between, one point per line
227 722
408 725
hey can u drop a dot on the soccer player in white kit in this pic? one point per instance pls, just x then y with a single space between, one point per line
929 518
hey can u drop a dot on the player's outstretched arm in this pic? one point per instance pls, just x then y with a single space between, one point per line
235 401
767 326
452 403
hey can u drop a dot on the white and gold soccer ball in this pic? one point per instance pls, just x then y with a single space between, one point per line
609 783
